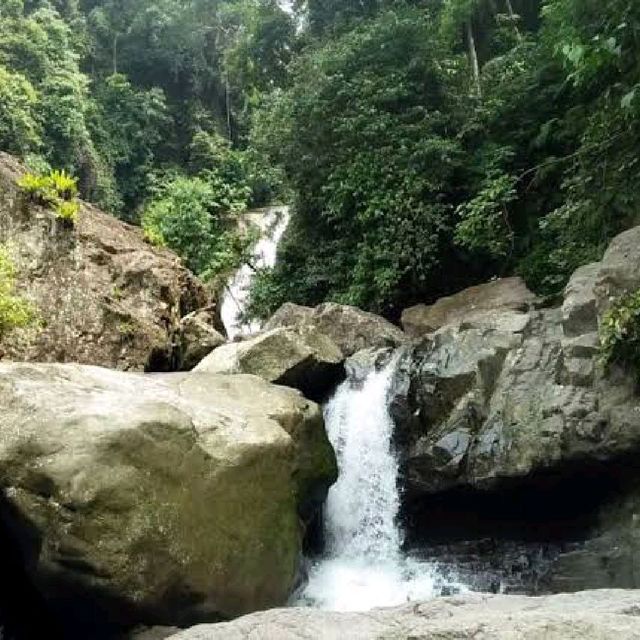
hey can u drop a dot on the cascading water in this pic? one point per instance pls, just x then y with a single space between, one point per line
272 224
364 566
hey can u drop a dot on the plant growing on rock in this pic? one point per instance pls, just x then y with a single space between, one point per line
56 189
620 334
14 311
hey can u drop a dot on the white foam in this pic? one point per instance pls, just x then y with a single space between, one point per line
364 567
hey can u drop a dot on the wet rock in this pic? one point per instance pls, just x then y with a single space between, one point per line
507 403
610 558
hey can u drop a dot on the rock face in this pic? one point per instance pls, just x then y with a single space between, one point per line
301 358
104 296
508 401
596 615
165 499
350 328
507 294
197 338
505 394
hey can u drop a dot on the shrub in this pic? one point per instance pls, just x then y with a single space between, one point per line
191 217
620 334
56 189
14 311
19 129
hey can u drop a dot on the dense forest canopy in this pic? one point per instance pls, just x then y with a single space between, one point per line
424 144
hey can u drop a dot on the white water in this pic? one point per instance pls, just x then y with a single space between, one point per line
272 225
364 566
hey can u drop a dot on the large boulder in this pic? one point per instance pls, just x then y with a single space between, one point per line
504 406
505 394
158 499
103 295
593 615
304 359
507 294
350 328
619 271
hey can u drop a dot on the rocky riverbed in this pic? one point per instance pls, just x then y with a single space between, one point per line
131 500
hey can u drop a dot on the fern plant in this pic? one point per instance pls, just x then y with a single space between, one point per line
620 334
14 311
65 186
56 189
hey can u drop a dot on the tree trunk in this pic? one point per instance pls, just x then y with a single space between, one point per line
473 57
115 54
514 18
228 101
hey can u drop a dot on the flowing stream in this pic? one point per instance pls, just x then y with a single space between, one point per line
364 566
272 223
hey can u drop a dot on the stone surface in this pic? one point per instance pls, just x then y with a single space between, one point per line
301 358
579 314
161 499
505 404
592 615
619 271
351 329
104 296
498 295
198 337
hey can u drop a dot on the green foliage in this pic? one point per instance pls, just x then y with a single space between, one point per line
19 130
56 189
190 215
427 145
127 126
15 312
114 92
362 134
620 334
485 222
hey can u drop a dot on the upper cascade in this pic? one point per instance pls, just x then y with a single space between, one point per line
272 223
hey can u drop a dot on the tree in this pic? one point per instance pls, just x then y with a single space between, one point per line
364 135
19 130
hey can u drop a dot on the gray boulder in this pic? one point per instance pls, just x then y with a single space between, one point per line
579 313
164 499
507 294
619 271
350 328
301 358
593 615
499 395
504 401
198 337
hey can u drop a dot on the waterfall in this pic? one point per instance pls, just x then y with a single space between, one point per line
364 566
272 223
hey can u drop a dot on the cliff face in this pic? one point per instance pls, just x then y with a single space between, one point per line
103 295
505 412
